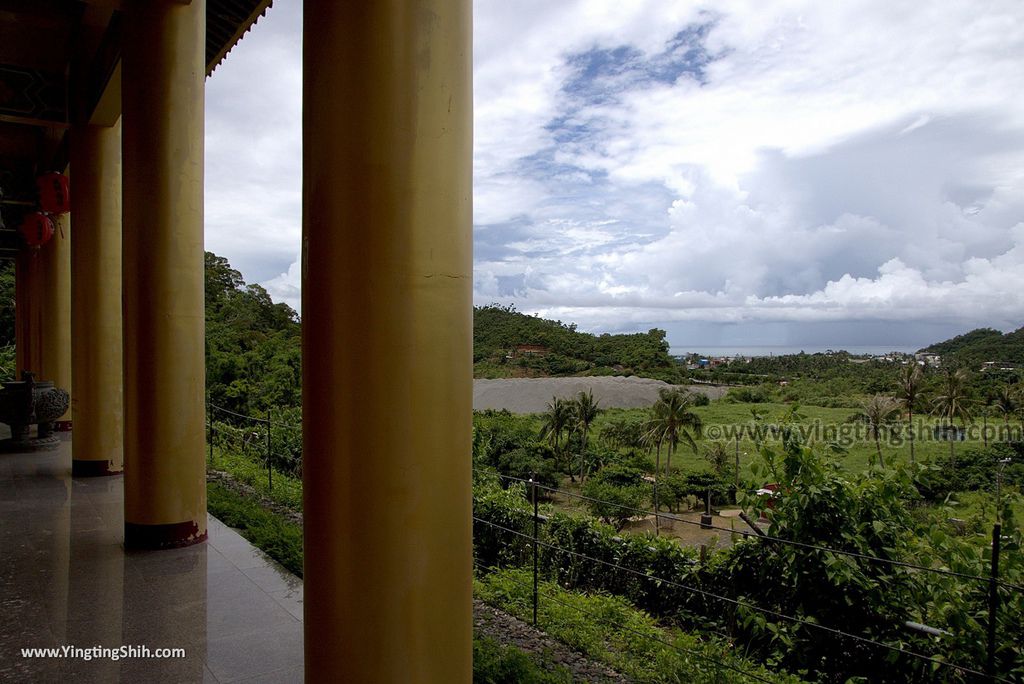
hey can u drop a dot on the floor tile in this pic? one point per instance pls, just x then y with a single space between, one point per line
65 579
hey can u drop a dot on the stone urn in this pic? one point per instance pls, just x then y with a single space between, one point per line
27 402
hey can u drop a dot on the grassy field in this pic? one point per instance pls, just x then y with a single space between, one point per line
724 420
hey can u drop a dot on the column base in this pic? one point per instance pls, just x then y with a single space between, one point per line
93 469
139 537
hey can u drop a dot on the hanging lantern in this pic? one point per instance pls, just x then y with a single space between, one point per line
37 229
54 193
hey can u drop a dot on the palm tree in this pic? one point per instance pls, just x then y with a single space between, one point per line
908 391
672 421
1006 404
650 439
584 412
953 402
556 420
878 412
985 409
717 455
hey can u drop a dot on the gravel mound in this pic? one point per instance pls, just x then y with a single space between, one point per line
511 631
531 395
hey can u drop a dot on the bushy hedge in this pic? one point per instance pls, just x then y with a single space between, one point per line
973 470
737 589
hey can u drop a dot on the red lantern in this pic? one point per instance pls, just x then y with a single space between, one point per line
54 193
37 229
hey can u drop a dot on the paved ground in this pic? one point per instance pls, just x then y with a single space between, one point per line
65 579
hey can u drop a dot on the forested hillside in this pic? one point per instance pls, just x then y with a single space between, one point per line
560 349
253 346
978 346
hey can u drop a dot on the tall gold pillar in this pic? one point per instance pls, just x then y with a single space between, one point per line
387 340
162 155
96 407
54 312
27 291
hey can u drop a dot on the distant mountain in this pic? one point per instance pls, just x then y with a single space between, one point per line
507 343
978 346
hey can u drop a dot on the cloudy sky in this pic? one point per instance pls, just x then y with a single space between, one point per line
738 173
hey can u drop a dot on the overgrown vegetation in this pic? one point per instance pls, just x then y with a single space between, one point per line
497 664
280 539
253 346
742 590
972 349
560 349
608 629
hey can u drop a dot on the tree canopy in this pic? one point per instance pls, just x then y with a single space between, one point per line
253 345
499 330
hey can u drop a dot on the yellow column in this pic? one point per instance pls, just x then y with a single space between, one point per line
164 384
387 340
96 301
54 314
27 291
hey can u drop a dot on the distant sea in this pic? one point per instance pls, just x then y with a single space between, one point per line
781 350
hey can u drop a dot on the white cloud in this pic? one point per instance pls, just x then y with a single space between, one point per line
804 161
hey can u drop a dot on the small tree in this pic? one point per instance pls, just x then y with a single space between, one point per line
615 494
673 421
908 391
584 412
1006 405
557 420
953 402
717 455
880 414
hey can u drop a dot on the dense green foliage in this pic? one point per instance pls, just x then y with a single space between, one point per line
740 590
247 465
7 334
497 330
609 629
497 664
280 539
836 380
975 469
253 346
978 346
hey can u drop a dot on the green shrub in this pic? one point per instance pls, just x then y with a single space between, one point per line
536 461
497 664
747 395
608 629
281 540
613 504
975 470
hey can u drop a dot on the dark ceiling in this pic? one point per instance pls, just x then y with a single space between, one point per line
48 47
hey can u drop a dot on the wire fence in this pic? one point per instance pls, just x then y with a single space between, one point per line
938 661
265 436
992 581
603 618
765 537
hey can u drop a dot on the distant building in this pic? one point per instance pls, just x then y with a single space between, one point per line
521 350
928 359
999 366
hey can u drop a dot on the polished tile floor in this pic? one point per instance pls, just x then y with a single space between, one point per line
65 579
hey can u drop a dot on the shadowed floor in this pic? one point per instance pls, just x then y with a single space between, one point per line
66 580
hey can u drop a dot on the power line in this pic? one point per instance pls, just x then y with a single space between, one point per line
264 421
767 537
744 604
650 637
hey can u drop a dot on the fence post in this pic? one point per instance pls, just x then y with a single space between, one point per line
210 412
270 467
533 488
993 598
